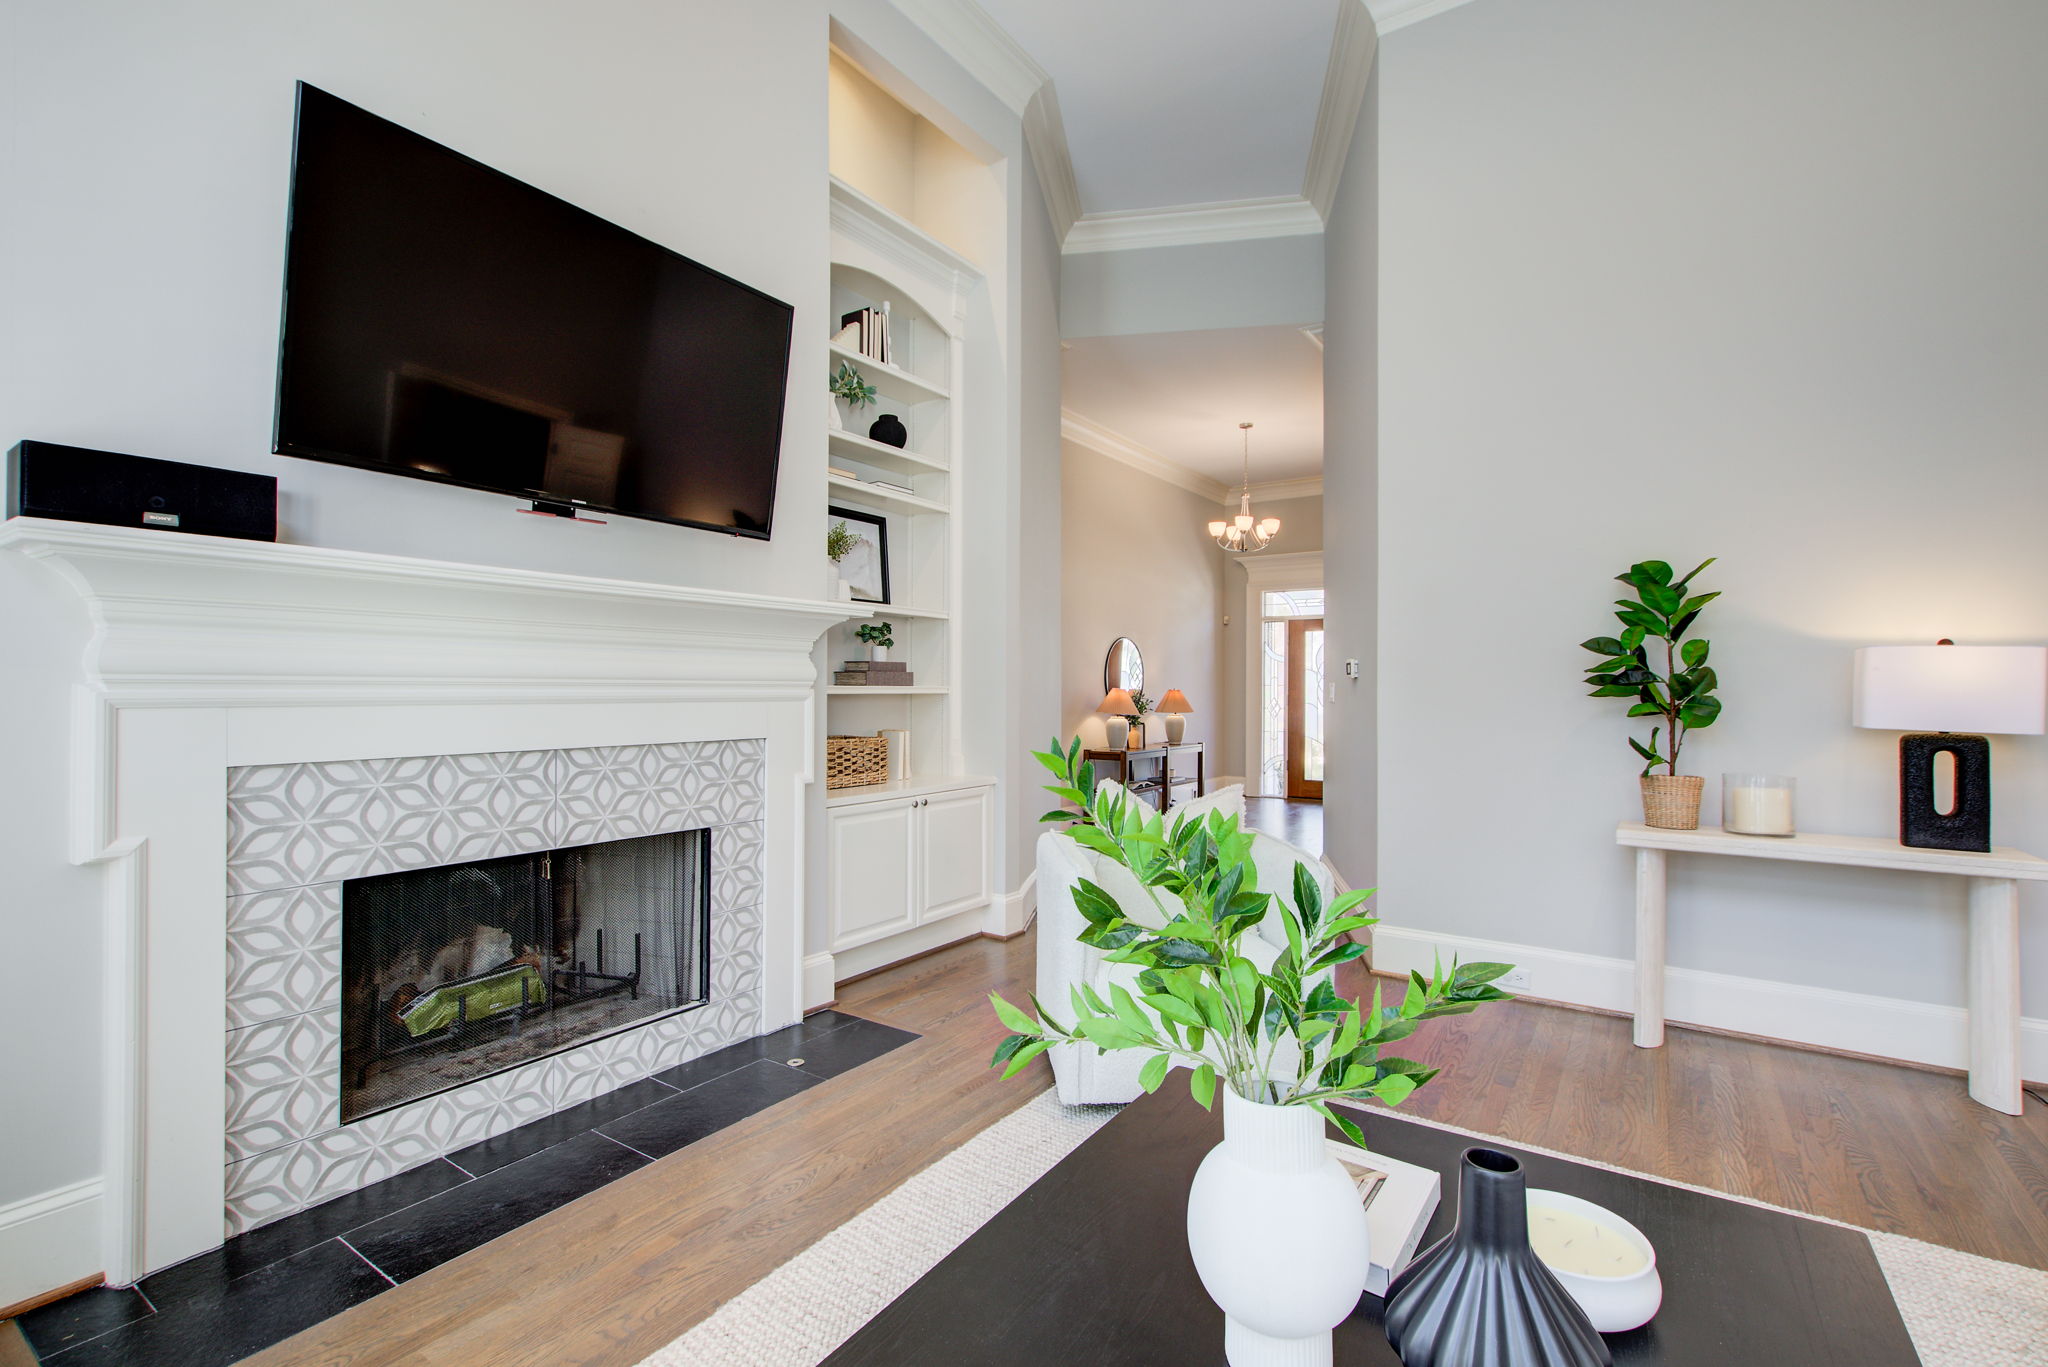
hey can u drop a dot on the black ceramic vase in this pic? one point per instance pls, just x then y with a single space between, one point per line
889 430
1480 1297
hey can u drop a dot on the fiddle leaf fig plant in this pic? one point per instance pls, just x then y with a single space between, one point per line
1280 1037
1653 663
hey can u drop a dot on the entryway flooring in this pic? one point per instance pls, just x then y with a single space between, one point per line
264 1286
1298 823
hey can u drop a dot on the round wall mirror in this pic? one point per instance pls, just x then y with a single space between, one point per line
1125 667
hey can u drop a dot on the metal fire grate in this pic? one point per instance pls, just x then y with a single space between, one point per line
452 974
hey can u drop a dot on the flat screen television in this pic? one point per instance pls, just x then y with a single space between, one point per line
447 322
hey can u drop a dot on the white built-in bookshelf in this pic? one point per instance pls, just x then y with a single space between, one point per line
879 258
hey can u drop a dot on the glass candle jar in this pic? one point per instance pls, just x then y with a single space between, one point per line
1756 804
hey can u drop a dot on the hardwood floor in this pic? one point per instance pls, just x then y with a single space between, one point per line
1298 823
618 1274
613 1277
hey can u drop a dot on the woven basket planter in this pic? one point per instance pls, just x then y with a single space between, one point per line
1672 801
856 761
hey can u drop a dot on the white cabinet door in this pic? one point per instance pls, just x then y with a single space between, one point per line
873 861
955 853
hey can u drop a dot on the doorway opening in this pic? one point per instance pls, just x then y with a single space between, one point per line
1292 694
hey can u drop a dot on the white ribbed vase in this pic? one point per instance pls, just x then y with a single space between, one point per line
1278 1235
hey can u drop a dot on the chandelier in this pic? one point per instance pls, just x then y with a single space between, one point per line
1242 533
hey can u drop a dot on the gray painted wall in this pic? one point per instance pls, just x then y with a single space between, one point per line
1351 556
1744 279
1137 562
1264 282
1037 649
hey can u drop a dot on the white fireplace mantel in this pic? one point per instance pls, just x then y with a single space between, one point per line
209 621
208 653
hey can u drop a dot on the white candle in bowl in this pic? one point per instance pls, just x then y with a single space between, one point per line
1605 1262
1756 804
1571 1242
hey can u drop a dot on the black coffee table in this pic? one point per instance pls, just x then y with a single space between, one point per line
1090 1266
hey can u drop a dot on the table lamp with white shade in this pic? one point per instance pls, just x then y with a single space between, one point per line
1174 707
1947 695
1118 707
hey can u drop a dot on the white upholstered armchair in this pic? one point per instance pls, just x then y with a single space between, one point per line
1084 1074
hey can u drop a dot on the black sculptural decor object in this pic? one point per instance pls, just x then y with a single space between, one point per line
890 431
1480 1297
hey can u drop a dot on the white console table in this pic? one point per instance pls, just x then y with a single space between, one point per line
1994 990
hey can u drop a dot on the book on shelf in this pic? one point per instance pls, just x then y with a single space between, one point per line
848 678
892 486
866 330
876 667
1399 1200
843 474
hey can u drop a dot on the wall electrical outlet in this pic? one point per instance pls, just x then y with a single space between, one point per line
1516 980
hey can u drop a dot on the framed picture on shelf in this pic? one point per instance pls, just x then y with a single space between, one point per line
865 568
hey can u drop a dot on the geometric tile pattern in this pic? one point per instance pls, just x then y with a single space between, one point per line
295 831
284 1081
628 790
284 953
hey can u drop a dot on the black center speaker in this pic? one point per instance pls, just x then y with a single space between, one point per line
77 484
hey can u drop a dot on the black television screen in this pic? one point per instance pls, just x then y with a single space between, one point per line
445 321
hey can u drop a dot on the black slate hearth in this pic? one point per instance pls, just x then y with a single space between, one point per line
266 1285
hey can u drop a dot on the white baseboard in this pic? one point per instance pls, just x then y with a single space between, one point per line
961 925
1888 1027
50 1240
1010 913
819 984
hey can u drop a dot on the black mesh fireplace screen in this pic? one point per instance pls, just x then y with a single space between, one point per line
451 974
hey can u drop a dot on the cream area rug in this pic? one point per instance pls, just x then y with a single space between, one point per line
1962 1310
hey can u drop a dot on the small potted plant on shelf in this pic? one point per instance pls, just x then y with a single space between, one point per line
850 385
879 636
1142 708
1664 675
1279 1045
838 541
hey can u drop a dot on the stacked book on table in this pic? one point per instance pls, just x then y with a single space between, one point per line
875 674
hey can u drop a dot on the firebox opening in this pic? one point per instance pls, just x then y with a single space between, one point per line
452 974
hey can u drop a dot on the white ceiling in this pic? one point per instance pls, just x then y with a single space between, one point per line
1170 102
1181 396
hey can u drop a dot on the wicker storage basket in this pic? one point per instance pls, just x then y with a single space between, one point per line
855 761
1672 801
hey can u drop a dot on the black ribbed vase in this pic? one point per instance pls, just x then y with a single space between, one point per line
1480 1297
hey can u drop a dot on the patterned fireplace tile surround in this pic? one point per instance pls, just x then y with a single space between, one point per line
296 831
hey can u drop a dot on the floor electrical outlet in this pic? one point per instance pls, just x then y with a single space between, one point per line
1515 980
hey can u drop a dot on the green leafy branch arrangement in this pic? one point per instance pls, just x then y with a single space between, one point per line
1209 1006
839 541
1683 693
850 385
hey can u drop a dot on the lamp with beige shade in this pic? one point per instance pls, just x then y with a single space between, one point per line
1174 707
1118 707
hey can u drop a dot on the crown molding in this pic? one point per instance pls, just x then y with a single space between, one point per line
1344 85
1389 15
1182 225
976 41
1118 447
1308 486
1045 136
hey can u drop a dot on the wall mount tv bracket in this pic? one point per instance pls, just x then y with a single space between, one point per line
566 509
